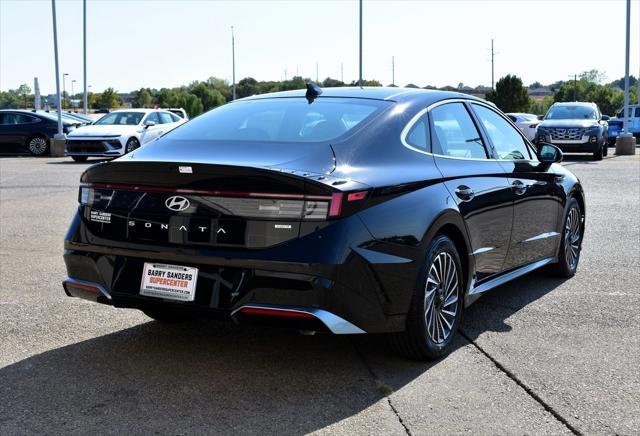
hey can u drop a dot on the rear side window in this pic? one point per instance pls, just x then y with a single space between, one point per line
505 138
455 134
153 116
281 120
418 136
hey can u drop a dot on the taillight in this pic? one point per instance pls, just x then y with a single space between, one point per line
243 204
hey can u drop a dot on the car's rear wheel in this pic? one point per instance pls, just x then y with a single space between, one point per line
571 245
436 306
165 316
38 145
605 147
132 144
79 158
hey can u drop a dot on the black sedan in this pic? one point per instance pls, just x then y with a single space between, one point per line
351 210
24 131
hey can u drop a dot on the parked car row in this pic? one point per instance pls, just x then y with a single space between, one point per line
116 133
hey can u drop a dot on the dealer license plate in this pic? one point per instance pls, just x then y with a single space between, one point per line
171 282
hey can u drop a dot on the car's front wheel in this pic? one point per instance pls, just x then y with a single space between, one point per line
436 307
571 245
598 153
132 144
79 158
38 145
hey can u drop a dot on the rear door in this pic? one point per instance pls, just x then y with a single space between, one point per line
149 133
535 191
14 130
477 183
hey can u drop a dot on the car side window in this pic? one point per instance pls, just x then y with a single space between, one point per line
455 134
175 118
165 118
418 135
508 142
638 112
153 116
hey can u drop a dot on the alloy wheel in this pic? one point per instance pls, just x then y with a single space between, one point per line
38 145
132 144
572 238
441 299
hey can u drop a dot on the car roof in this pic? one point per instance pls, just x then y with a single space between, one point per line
375 93
575 103
144 110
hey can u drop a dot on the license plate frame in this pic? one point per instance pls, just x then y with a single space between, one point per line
169 282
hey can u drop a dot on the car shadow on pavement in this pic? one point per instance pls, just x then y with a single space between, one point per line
212 377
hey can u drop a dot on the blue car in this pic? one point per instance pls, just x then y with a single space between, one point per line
615 123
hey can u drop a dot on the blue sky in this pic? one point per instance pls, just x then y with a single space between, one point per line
169 43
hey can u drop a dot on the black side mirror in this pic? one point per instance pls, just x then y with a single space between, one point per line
605 118
549 153
541 117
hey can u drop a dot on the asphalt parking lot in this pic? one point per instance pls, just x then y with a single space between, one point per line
539 355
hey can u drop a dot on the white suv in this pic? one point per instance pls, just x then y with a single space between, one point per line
120 132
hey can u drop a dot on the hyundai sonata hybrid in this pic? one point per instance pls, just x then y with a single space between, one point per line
348 210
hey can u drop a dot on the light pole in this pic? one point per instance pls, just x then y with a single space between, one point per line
55 52
85 104
393 71
72 92
233 64
64 88
360 76
625 142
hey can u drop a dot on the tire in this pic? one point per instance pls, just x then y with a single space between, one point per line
166 317
605 148
132 144
79 158
571 244
38 145
426 337
597 154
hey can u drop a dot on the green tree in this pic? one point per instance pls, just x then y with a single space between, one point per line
541 106
192 104
24 91
209 96
143 99
510 95
109 99
9 100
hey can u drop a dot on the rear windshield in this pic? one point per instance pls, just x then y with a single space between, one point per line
571 113
280 120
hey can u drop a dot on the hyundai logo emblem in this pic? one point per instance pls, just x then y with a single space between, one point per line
177 203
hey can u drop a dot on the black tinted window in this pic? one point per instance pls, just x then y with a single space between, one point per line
505 138
16 119
165 118
455 134
280 120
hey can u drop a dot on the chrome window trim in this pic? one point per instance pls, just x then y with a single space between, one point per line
410 124
527 143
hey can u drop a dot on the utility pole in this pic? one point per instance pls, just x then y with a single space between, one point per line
393 71
342 73
317 76
64 89
55 52
360 76
85 104
492 69
575 87
233 64
625 126
285 74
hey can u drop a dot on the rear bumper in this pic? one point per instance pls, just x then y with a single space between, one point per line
342 290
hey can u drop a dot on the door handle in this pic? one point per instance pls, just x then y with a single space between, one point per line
519 187
465 193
